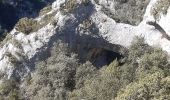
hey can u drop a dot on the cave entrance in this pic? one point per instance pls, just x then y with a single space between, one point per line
100 57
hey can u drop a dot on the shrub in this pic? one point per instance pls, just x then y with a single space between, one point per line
27 26
143 59
16 43
152 87
127 11
159 8
86 2
9 90
97 1
137 49
68 7
45 10
102 86
157 60
87 23
47 19
53 77
143 75
12 59
84 71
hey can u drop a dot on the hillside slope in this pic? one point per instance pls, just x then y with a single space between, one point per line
98 31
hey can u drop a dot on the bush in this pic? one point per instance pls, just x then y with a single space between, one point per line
9 90
68 7
102 86
12 59
27 26
47 19
45 10
159 8
157 60
144 75
143 59
97 1
53 77
137 49
151 87
86 2
87 23
127 11
83 72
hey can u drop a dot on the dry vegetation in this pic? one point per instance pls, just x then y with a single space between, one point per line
45 10
159 8
27 25
68 6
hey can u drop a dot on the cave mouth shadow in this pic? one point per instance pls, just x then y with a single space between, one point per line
99 57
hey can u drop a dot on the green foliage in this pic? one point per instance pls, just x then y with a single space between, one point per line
6 87
143 59
102 86
157 60
151 87
127 11
46 19
139 78
143 75
86 2
159 8
45 10
68 6
27 26
84 72
87 23
142 72
137 49
9 90
12 59
53 77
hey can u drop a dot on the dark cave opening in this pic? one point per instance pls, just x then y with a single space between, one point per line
99 57
110 56
105 58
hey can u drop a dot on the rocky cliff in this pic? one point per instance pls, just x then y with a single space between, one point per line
96 30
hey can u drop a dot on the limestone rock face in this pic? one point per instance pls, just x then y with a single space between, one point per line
87 28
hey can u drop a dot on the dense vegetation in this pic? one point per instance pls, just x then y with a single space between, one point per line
144 74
